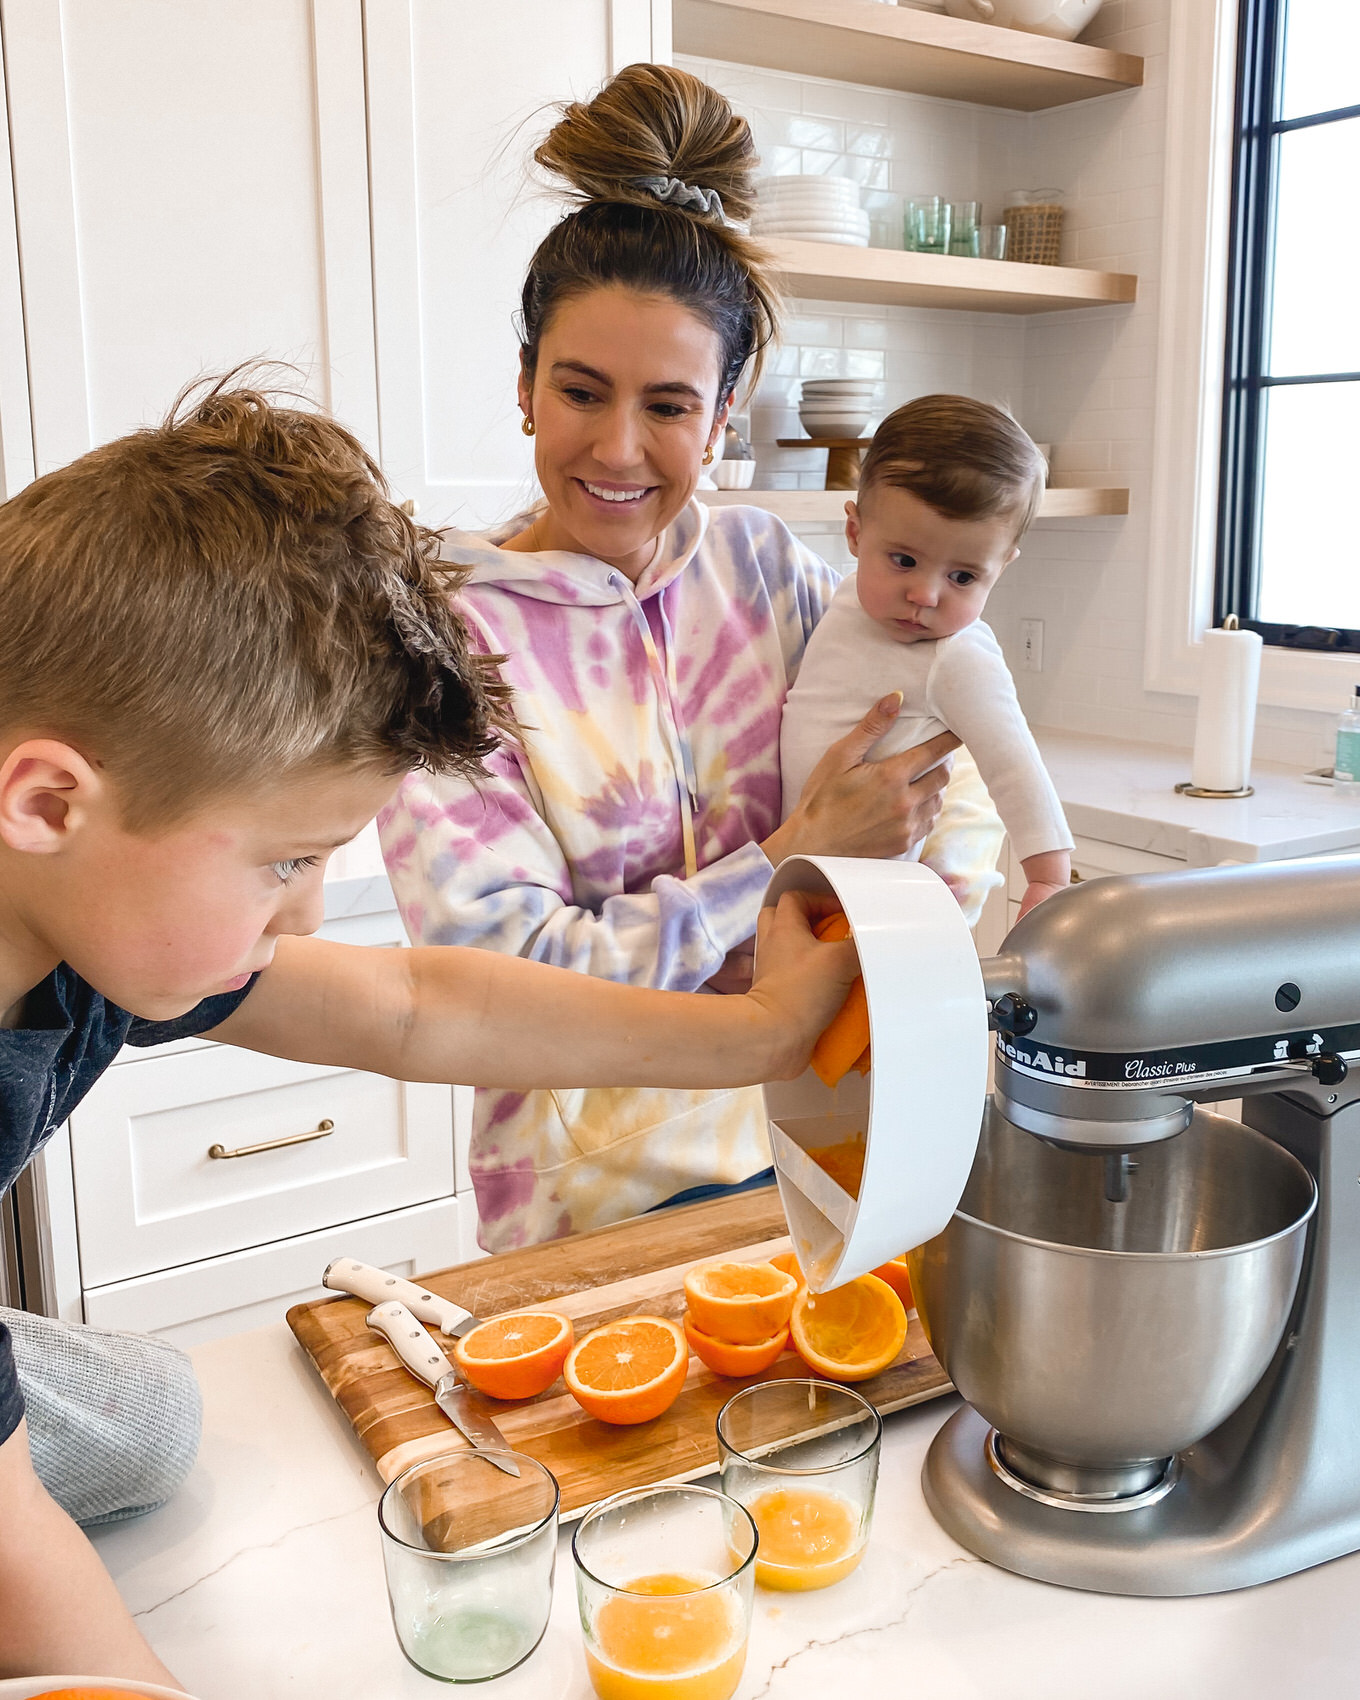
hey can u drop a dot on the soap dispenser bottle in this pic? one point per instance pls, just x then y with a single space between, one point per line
1346 765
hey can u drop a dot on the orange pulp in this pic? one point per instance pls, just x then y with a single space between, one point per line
844 1162
807 1539
670 1637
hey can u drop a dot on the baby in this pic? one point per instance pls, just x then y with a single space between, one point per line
948 489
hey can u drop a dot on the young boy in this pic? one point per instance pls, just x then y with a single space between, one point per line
948 489
221 646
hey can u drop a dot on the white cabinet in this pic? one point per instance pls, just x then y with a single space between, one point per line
191 191
169 1165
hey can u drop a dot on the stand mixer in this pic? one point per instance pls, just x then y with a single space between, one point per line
1152 1311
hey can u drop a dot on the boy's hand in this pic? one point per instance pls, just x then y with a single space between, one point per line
800 983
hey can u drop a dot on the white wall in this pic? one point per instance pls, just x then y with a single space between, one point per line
1085 380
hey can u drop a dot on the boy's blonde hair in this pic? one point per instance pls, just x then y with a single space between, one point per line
210 604
964 458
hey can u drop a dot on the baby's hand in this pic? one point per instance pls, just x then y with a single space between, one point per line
1035 892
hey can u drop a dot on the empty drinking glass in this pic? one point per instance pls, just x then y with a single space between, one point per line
925 228
469 1553
992 242
964 227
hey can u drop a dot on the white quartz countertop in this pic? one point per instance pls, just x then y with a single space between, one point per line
263 1580
1124 793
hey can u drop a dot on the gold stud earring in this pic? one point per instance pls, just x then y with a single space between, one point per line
527 426
708 455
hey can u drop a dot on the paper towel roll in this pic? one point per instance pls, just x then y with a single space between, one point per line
1226 722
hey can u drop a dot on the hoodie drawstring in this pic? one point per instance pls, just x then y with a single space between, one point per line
667 690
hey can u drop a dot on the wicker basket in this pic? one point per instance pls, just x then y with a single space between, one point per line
1034 233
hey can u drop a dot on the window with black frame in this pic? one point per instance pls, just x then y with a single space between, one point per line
1289 545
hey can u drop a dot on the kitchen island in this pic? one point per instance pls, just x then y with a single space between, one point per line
263 1581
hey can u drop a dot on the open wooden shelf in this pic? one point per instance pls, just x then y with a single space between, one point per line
827 507
820 271
857 41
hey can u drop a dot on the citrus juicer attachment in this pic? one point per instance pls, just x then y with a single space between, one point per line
917 1117
1152 1311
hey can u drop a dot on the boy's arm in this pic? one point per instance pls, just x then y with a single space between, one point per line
472 1016
59 1609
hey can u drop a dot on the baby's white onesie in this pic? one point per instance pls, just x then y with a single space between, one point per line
959 684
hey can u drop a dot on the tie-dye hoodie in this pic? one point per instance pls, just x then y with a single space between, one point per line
622 839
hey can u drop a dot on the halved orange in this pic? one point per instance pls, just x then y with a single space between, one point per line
742 1303
845 1043
515 1357
723 1358
90 1694
628 1371
788 1262
852 1332
895 1274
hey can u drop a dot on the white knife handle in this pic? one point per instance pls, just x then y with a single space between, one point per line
410 1341
348 1275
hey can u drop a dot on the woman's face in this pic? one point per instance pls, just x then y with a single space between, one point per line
624 403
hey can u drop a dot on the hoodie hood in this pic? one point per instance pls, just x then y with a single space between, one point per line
558 575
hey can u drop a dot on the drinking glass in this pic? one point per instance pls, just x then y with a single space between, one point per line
665 1579
469 1553
964 227
925 227
802 1457
992 242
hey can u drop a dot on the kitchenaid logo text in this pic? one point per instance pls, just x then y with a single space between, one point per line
1042 1060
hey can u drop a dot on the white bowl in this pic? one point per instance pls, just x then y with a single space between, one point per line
801 197
823 181
820 425
733 474
1062 19
27 1687
841 387
844 223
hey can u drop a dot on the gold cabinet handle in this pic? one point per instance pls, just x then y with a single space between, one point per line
320 1131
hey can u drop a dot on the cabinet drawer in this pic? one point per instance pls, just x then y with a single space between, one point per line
248 1289
149 1196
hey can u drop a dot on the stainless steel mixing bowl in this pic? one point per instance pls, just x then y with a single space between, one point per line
1101 1338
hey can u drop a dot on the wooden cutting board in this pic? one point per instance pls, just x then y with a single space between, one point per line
632 1267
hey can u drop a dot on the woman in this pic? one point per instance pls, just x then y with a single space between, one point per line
650 644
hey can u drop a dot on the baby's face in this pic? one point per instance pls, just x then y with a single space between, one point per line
921 574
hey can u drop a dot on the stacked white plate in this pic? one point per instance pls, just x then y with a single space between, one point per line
837 407
811 208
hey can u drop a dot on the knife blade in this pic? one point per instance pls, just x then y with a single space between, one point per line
363 1281
414 1345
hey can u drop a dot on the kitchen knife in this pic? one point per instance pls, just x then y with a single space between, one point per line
363 1281
416 1348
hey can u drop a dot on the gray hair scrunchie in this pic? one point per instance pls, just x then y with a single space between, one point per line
690 196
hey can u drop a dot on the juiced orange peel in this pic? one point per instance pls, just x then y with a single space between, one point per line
844 1044
852 1332
742 1303
724 1358
517 1356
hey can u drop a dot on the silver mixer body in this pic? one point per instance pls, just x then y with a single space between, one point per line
1159 1330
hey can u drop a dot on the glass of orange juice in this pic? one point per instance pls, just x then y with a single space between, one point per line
802 1457
665 1578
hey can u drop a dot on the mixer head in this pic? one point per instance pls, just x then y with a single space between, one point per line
1119 1004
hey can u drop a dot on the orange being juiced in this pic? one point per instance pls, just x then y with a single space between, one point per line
807 1539
670 1637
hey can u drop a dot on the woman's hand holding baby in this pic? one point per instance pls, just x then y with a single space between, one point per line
850 807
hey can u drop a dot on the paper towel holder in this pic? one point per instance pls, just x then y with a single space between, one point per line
1187 787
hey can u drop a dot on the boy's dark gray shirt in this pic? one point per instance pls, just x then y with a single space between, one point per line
71 1034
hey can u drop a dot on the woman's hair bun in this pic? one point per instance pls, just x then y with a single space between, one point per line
653 121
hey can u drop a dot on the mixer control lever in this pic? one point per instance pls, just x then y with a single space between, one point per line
1011 1014
1329 1070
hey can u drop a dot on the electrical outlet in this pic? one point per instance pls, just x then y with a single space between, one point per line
1032 646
